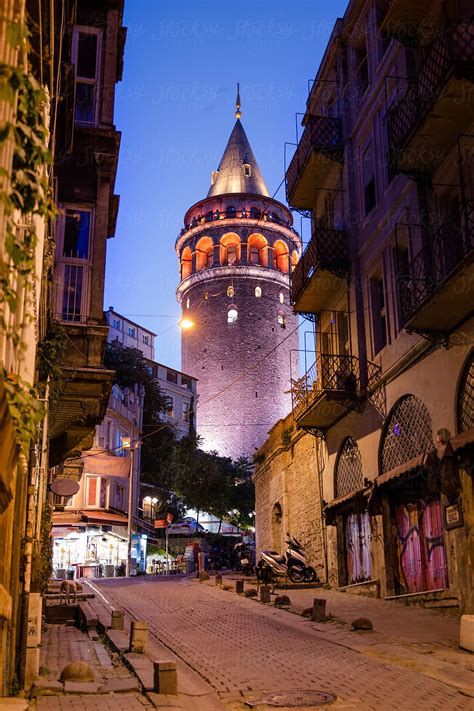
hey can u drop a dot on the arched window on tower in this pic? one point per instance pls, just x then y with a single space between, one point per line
210 258
257 250
209 216
255 213
204 248
230 249
281 257
230 212
186 263
294 259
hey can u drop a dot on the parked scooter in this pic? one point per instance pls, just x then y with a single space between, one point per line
292 565
246 557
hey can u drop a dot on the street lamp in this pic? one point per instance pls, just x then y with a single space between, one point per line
127 444
186 324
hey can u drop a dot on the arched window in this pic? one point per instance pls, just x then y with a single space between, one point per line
203 248
257 250
280 257
407 433
247 170
258 292
186 263
281 297
230 212
465 405
255 213
210 257
294 259
348 472
230 249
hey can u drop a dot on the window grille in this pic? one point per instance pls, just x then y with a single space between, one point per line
349 475
407 433
466 397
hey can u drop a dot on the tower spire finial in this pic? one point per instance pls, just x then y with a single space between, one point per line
238 112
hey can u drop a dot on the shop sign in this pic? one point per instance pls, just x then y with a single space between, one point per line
160 523
453 516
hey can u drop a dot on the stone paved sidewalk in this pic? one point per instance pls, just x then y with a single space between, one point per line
62 644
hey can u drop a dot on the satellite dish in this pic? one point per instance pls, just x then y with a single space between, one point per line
64 487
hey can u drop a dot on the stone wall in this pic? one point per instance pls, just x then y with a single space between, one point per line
242 390
286 476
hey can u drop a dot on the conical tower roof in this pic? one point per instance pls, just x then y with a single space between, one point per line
238 170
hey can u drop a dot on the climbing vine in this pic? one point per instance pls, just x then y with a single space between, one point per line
50 353
24 192
25 410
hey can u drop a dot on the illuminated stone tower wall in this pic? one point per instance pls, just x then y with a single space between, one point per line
236 251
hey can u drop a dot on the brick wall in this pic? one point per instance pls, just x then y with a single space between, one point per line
287 475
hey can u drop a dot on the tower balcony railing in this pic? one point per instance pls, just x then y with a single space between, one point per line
327 391
437 105
320 146
322 269
437 293
244 214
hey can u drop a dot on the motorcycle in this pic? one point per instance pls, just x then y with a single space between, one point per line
292 565
245 556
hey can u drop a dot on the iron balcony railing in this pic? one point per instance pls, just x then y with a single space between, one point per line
451 52
336 373
322 134
445 249
327 249
244 214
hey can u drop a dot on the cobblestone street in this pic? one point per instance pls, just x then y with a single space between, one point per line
243 648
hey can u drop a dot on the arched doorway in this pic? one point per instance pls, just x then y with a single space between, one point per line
412 491
353 524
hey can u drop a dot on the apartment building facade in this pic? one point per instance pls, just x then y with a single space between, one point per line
384 169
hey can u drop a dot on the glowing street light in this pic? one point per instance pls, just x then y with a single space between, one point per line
186 324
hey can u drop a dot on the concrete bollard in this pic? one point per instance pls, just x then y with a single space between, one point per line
264 593
239 586
319 610
117 620
138 637
218 579
165 679
466 640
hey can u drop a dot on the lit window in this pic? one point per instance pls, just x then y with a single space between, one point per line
214 175
210 258
230 291
247 169
188 303
232 254
282 298
254 255
258 292
281 320
232 315
186 411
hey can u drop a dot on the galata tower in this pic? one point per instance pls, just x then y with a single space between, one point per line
236 251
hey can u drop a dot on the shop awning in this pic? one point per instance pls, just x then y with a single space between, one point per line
104 517
66 518
461 440
422 461
356 500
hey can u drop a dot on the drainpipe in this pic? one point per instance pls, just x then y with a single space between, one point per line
320 470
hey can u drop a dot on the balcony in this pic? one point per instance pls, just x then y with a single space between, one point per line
432 111
327 392
85 390
438 292
322 271
319 149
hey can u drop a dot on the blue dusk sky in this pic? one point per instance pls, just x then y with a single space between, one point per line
175 109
